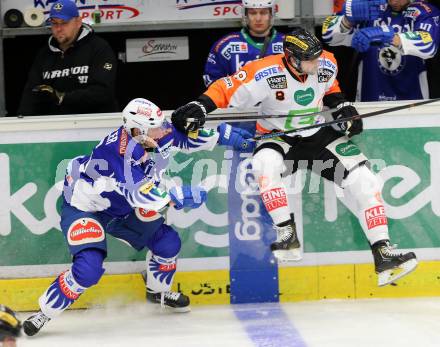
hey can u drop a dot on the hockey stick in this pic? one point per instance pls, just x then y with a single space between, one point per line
346 119
237 117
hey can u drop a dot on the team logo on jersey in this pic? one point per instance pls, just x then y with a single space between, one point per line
304 97
324 75
267 72
85 230
233 48
277 82
391 61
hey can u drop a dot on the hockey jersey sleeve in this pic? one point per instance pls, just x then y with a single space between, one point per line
216 66
204 140
423 41
246 87
334 33
126 168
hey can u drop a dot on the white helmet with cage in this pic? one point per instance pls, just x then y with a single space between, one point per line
257 4
144 115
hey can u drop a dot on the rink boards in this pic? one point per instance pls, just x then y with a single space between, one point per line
225 255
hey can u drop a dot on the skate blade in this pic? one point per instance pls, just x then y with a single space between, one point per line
288 255
389 276
176 309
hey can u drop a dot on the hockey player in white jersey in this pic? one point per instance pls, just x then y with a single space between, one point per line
298 82
120 190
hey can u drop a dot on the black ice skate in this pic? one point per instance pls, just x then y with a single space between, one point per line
175 301
390 265
34 323
287 245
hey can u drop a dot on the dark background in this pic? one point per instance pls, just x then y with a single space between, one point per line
169 84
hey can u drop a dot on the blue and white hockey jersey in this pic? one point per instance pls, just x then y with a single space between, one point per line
121 175
230 53
387 72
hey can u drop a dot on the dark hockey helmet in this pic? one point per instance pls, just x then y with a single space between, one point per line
301 45
9 324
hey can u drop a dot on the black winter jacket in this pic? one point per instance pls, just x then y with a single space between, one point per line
85 72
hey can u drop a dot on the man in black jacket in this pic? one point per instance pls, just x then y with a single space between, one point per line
75 73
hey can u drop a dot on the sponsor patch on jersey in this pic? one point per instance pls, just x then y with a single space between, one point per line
412 12
347 149
426 37
85 230
123 142
223 40
234 48
375 217
324 75
108 66
228 82
279 95
274 199
304 97
277 47
297 42
146 215
145 188
277 82
269 71
328 23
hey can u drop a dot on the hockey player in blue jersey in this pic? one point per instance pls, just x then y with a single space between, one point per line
257 39
394 38
120 190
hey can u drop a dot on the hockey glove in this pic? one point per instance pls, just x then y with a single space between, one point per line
187 196
195 110
364 38
346 109
48 91
362 10
235 137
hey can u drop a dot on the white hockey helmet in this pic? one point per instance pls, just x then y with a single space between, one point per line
142 114
257 4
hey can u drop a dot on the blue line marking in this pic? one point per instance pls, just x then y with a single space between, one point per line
267 325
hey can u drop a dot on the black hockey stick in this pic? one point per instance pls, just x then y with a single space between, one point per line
346 119
238 117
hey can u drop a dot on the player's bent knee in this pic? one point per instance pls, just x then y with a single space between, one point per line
87 267
363 184
167 242
268 164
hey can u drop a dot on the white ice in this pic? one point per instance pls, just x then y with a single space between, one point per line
329 323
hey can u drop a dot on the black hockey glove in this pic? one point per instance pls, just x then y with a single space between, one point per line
48 91
194 110
346 109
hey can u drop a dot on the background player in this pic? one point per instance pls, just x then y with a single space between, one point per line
394 39
257 39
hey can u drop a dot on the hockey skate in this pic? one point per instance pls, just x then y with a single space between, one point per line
390 265
34 323
175 301
287 246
